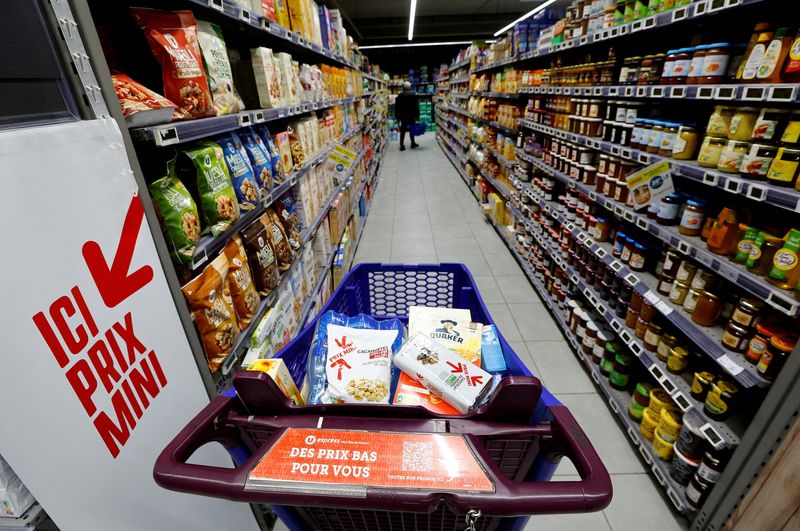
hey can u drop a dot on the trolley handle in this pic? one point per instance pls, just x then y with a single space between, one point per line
511 498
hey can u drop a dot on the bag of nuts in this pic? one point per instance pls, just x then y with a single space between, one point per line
243 291
359 364
209 299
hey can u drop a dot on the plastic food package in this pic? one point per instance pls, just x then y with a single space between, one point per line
209 299
172 37
209 175
258 153
15 498
242 176
141 106
443 372
298 154
283 145
290 218
218 69
277 236
240 279
451 327
278 171
340 341
177 212
261 255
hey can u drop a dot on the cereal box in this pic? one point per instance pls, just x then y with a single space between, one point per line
276 369
267 81
412 393
452 327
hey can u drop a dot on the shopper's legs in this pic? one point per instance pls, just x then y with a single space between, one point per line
413 142
403 129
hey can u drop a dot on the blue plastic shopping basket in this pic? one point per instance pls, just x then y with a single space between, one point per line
519 436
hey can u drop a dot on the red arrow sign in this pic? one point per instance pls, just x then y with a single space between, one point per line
457 368
476 380
114 283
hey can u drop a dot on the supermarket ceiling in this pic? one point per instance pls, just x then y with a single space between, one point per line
386 21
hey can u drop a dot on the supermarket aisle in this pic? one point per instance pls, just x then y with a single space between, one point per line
423 212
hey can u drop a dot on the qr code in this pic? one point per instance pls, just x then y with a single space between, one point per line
417 456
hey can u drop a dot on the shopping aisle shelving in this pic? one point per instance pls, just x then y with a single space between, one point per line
422 211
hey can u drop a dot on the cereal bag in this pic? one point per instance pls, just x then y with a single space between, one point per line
210 303
242 177
283 144
261 255
177 212
259 157
218 69
289 220
279 241
243 292
172 37
296 148
278 172
207 171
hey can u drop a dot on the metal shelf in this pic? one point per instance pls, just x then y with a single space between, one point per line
758 191
459 64
741 93
31 518
692 247
186 131
373 78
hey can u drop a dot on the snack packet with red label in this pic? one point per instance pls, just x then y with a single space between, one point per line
172 37
141 106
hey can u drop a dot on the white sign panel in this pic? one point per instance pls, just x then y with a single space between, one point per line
97 375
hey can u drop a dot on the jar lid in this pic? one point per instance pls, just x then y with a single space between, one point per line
644 388
670 52
630 239
679 352
783 32
703 47
722 44
622 359
696 203
768 328
739 329
751 304
783 343
726 387
591 326
687 128
640 246
710 295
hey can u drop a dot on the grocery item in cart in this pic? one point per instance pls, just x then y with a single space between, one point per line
209 299
207 172
276 368
452 327
243 291
258 153
218 69
261 255
177 212
412 393
242 176
172 37
351 359
141 106
443 372
280 242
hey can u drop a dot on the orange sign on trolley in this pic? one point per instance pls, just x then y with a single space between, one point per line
347 462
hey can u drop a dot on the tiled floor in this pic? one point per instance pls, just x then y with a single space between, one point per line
423 212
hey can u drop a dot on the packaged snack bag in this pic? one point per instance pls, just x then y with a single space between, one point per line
412 393
207 171
177 213
261 255
218 69
278 172
283 144
172 37
296 148
290 226
141 106
242 176
451 327
243 291
278 239
443 372
258 154
209 300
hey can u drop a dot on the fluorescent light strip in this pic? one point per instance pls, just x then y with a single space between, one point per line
411 17
527 15
414 45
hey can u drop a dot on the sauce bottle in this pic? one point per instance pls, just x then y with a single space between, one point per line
760 28
753 60
769 71
791 68
722 237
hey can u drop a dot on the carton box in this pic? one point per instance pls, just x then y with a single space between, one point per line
277 370
267 80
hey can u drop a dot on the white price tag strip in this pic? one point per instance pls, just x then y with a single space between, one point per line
663 307
729 365
652 298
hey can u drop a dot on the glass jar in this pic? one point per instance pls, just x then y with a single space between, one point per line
589 338
720 399
672 263
783 170
696 65
769 125
762 257
707 309
704 280
607 363
759 343
619 243
686 272
692 219
757 161
641 327
679 291
701 385
669 67
665 345
680 69
631 316
621 372
678 360
668 139
664 286
720 121
735 337
648 312
627 250
710 151
715 63
652 336
742 123
638 260
747 312
791 134
685 143
731 158
774 358
654 140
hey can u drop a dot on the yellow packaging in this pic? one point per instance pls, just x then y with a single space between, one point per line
659 399
297 16
282 14
650 420
669 428
276 369
663 449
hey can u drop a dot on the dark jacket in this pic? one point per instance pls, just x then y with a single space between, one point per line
406 109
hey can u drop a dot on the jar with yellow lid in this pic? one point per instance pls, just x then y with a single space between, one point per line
685 143
710 152
665 345
742 123
784 168
732 156
678 360
719 122
650 420
720 399
659 399
664 450
669 427
701 385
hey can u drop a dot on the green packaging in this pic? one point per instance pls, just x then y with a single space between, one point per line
786 258
177 212
745 245
209 173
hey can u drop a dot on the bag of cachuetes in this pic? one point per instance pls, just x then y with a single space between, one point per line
351 359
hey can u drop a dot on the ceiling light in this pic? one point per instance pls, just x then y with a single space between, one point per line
413 45
411 17
527 15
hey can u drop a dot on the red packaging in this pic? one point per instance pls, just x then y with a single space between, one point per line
172 37
141 106
412 393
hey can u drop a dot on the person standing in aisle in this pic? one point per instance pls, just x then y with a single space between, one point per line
406 111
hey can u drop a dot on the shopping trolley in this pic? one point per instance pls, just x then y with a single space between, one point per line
518 436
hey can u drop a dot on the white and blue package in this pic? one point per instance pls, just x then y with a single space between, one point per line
278 172
259 157
244 182
318 356
492 357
